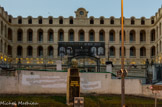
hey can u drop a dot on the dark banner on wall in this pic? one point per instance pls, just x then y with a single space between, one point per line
81 48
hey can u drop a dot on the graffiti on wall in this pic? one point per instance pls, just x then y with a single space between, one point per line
56 82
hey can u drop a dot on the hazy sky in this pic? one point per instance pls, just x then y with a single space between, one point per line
66 8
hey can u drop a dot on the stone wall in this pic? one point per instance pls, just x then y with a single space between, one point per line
40 82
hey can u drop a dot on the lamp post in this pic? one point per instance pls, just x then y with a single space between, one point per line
122 60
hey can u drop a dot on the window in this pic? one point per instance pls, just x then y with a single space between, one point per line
81 35
9 50
71 35
153 35
10 20
157 32
101 21
157 48
50 35
30 35
40 35
50 20
19 35
60 20
19 51
153 51
142 51
91 36
1 27
101 35
40 51
19 20
142 36
40 20
29 51
132 51
61 35
112 51
142 21
1 46
112 35
50 51
91 21
132 21
160 46
132 36
112 21
160 28
29 20
5 31
124 51
152 20
71 21
10 34
121 36
5 48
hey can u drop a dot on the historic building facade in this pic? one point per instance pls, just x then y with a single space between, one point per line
46 40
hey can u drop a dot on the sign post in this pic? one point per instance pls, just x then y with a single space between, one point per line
73 83
155 90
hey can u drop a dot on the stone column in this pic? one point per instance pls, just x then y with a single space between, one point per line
127 53
55 36
97 36
137 37
148 55
24 51
76 39
55 51
56 43
14 38
107 37
45 36
35 36
117 36
24 36
86 36
35 51
127 36
147 37
66 36
117 50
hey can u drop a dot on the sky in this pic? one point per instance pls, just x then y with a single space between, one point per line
66 8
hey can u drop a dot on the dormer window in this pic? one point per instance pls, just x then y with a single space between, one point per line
30 20
61 20
50 21
40 20
71 20
91 21
19 20
132 21
142 21
81 13
112 21
101 21
10 20
152 20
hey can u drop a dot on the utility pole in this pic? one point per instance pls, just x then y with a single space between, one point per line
122 60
